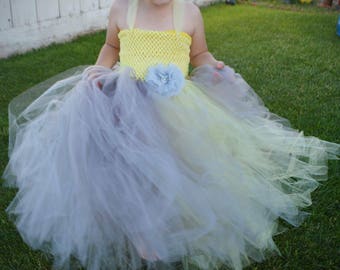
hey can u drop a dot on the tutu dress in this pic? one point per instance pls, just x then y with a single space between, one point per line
191 167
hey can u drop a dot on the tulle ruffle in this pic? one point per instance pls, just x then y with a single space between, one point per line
200 177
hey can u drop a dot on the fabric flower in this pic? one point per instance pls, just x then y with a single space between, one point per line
167 80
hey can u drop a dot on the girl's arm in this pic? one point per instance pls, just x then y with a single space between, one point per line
109 52
199 54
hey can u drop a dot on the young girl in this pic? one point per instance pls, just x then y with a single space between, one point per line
137 163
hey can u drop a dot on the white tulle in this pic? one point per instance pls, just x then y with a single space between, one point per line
201 177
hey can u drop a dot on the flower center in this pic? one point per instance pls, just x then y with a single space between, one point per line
164 77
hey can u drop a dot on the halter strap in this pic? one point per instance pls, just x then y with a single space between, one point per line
178 14
132 13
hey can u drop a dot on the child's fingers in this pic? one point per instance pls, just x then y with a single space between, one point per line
99 84
93 77
220 64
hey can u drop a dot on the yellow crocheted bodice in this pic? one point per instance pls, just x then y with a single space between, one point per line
140 49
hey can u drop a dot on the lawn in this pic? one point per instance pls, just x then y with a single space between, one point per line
291 59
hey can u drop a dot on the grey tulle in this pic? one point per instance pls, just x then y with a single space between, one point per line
200 178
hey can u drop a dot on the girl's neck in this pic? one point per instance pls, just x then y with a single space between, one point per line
155 14
156 4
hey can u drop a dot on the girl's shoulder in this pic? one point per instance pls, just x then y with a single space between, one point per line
191 7
118 11
119 6
192 15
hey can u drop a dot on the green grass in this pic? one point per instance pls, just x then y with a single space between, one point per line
295 5
291 59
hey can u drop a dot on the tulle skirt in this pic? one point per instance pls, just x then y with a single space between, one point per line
202 177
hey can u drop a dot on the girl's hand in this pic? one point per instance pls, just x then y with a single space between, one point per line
93 76
219 64
100 85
